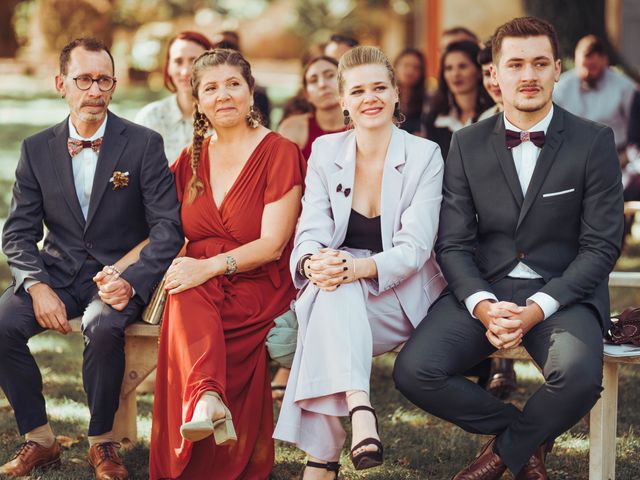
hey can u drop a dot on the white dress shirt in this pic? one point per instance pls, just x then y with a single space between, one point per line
525 157
84 169
84 166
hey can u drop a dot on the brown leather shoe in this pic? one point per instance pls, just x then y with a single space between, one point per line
31 455
487 465
534 469
106 462
502 379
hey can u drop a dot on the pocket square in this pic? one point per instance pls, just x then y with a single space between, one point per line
555 194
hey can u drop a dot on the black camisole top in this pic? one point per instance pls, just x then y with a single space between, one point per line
363 232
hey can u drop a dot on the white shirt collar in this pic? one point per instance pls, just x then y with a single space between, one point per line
99 133
541 125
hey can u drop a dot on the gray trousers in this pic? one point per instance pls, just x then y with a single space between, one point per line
567 346
103 358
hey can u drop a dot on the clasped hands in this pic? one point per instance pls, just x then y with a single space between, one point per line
112 288
506 322
329 268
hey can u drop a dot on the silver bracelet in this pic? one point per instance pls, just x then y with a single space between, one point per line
113 267
232 265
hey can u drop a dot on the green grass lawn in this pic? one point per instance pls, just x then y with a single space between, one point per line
417 445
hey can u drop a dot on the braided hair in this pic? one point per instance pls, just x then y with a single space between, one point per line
201 124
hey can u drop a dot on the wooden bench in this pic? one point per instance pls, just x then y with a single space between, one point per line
141 351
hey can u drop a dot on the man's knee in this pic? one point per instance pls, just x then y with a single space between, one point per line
577 377
413 371
101 327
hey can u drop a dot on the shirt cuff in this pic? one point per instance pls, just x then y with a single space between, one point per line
546 302
474 299
28 283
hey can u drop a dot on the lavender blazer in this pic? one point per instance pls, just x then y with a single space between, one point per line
410 208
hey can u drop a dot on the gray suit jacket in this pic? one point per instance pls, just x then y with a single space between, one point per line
410 203
568 227
44 192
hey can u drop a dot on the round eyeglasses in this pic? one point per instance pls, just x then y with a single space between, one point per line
84 82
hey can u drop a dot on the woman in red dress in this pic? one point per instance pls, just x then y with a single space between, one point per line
240 194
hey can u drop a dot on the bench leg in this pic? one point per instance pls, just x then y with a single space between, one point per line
125 428
141 355
602 428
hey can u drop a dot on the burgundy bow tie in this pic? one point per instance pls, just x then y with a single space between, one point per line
75 146
513 139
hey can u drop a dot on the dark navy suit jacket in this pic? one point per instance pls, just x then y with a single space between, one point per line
44 193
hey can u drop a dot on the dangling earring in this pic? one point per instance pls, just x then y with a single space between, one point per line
253 118
200 123
347 118
396 110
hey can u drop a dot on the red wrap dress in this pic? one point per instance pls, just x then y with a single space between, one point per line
213 336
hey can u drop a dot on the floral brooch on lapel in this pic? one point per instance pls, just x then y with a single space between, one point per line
119 180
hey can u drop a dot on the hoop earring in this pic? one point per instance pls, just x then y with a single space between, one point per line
253 118
347 118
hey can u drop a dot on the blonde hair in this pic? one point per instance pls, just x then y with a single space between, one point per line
367 55
364 55
201 124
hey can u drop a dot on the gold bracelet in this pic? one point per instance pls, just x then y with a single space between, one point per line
355 277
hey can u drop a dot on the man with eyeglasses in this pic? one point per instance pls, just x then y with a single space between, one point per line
101 186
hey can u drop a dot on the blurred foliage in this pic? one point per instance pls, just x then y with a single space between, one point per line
317 19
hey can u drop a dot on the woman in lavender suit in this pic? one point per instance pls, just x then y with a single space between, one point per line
363 259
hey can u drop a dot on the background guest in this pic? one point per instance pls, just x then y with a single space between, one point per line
595 91
339 44
320 87
460 98
457 34
172 117
492 87
411 72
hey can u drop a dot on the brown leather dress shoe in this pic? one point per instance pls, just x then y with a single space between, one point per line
534 469
31 455
487 465
502 379
106 462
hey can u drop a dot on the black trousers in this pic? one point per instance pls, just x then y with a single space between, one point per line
567 346
103 358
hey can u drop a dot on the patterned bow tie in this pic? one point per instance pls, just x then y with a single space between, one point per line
513 139
75 146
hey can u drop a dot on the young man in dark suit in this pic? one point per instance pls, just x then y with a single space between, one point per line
101 185
530 228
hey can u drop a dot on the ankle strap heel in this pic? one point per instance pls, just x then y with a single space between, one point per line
367 459
329 466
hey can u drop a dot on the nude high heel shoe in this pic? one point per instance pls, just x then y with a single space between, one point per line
222 429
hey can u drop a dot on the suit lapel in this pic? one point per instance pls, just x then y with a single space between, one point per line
545 160
113 144
391 185
64 170
506 160
341 180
